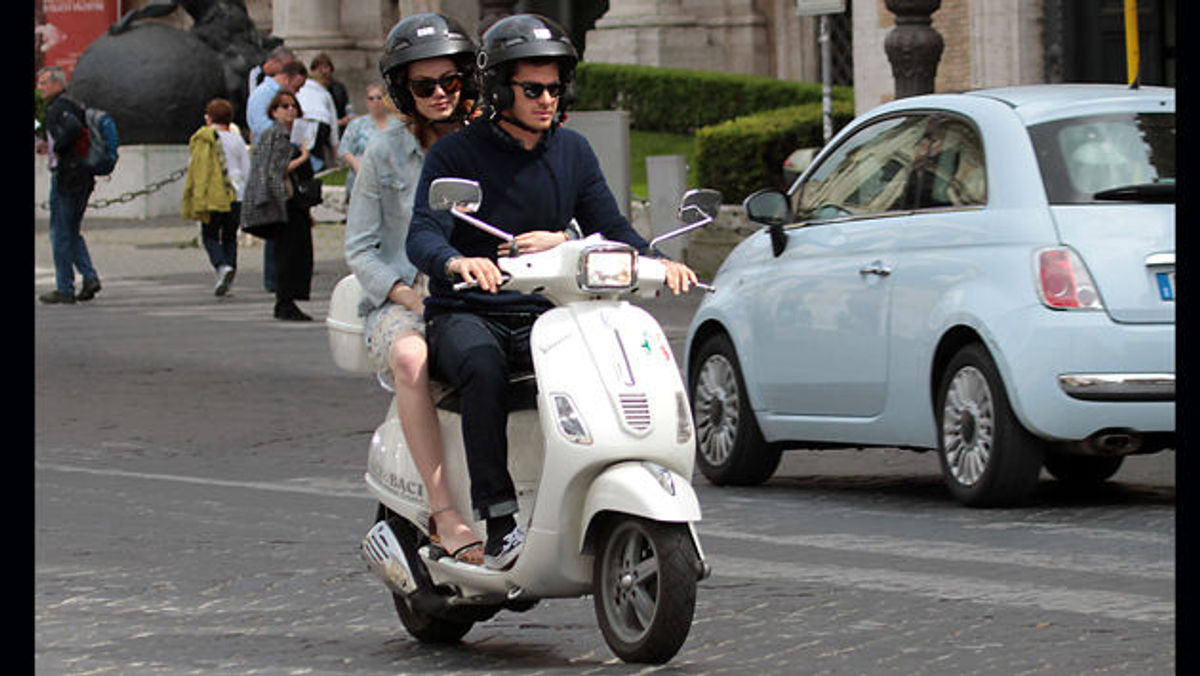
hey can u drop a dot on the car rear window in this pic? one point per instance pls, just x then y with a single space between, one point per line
1080 157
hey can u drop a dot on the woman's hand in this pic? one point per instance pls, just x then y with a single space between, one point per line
403 294
303 157
534 241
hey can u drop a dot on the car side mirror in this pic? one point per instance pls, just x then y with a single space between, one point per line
770 207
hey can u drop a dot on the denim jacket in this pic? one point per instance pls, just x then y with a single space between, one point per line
380 210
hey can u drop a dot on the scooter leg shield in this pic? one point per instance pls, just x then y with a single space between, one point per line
642 489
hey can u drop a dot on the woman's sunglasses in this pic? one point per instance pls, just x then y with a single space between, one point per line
424 87
533 90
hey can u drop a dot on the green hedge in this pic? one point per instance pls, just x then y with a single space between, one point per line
681 100
744 154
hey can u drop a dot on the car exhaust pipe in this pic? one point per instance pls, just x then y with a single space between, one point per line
1115 443
385 558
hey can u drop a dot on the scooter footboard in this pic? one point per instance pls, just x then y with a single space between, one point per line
642 489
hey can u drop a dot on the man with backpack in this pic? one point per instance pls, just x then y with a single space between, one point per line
71 184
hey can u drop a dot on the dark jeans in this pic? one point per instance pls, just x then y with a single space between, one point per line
475 354
220 234
67 204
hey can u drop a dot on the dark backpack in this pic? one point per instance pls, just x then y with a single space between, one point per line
102 142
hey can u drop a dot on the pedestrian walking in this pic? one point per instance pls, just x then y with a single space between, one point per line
217 169
71 184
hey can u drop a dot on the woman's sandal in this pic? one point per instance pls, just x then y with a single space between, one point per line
471 553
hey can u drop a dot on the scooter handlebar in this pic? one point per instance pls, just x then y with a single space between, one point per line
464 285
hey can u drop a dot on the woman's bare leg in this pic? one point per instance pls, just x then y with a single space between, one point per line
418 418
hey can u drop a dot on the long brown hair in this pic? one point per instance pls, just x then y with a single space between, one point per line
425 132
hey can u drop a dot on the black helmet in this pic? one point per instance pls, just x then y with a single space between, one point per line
425 36
521 37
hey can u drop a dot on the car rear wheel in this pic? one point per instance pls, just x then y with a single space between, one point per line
730 448
988 458
1082 470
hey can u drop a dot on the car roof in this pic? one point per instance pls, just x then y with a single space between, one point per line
1041 103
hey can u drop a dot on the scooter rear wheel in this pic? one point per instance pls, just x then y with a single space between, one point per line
427 628
644 579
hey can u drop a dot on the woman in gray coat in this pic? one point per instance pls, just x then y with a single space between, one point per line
268 200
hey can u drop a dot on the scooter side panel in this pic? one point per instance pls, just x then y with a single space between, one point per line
602 355
614 362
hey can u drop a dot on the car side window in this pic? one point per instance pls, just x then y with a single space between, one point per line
865 174
947 167
911 162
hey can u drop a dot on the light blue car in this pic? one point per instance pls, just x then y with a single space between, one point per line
990 274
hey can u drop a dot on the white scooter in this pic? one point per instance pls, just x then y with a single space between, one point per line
601 451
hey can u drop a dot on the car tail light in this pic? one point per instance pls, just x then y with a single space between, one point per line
1063 281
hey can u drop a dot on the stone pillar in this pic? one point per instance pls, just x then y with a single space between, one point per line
728 35
309 25
913 47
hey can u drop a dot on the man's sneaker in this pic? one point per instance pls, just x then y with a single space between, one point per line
499 555
88 290
57 296
224 279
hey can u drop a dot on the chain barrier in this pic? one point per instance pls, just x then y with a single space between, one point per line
171 178
132 195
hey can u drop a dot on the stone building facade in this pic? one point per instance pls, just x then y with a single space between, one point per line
987 42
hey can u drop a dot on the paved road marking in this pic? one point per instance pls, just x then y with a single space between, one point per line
1114 605
308 487
958 552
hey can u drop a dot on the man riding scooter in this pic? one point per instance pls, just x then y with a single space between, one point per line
535 176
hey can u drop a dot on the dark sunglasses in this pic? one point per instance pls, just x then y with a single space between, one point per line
533 90
424 87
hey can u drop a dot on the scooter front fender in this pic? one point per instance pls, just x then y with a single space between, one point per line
642 489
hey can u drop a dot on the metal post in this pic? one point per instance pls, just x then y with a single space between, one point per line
826 79
1132 52
913 47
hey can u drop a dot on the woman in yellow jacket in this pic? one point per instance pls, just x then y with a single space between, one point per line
214 187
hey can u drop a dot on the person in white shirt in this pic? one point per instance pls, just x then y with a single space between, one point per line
321 114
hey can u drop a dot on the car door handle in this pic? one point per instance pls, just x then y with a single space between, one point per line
875 268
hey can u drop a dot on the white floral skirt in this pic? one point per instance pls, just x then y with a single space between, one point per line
382 326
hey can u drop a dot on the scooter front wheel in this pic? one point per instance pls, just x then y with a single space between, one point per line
644 578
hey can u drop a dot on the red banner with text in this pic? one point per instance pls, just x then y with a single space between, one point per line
66 27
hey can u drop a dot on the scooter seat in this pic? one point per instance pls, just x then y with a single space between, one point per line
522 394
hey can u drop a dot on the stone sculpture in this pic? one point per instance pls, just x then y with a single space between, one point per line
155 79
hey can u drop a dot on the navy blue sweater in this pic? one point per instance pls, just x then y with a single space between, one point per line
523 190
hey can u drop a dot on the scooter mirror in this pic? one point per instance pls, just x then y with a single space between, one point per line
460 193
698 204
698 208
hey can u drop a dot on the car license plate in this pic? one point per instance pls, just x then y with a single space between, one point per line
1166 284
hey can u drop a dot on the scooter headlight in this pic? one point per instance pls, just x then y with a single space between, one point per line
607 267
570 423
